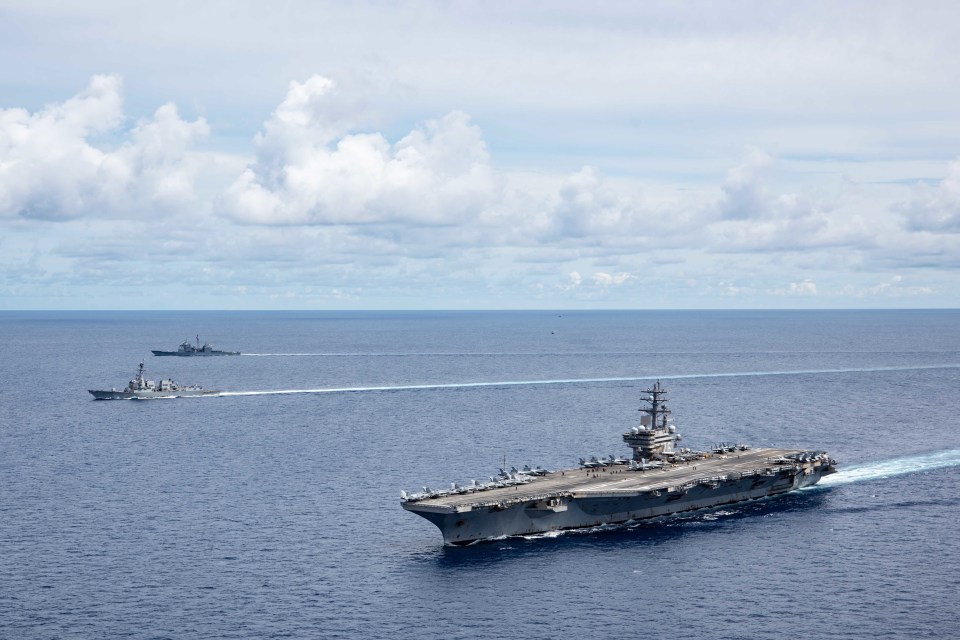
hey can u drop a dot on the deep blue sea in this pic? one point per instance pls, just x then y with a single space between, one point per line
273 511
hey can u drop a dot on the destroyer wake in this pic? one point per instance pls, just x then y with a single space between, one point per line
514 383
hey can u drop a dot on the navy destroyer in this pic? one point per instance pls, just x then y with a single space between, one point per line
188 349
659 479
142 389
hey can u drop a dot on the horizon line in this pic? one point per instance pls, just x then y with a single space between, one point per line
485 310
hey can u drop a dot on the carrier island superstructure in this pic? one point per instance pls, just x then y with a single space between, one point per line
659 479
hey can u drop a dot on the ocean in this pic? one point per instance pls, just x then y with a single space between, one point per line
272 511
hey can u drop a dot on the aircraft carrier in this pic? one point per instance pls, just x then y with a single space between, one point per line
658 480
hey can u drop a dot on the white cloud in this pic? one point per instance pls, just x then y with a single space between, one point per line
609 170
758 213
309 172
744 193
588 207
804 288
893 287
50 169
47 168
574 280
602 279
938 208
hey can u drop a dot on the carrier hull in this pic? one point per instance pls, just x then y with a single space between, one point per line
658 480
578 498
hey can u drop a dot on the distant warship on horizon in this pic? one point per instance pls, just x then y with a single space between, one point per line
659 480
187 349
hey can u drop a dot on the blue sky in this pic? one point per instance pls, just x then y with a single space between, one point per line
184 155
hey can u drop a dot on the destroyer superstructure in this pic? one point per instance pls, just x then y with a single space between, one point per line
188 349
142 389
658 480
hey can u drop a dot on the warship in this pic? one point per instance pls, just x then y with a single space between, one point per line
659 479
142 389
187 349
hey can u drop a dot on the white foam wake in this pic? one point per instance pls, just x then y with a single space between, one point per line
576 354
406 354
897 467
514 383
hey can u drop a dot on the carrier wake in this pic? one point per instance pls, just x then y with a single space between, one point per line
895 467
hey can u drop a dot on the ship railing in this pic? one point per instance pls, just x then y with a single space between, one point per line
517 499
734 475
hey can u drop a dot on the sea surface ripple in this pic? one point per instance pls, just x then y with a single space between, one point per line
272 510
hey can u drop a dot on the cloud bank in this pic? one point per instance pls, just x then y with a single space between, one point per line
328 210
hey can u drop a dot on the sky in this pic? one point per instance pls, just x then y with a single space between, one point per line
479 155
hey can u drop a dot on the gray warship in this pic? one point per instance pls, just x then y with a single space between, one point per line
142 389
658 480
188 349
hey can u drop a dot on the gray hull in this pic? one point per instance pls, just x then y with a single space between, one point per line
196 353
150 395
465 523
658 480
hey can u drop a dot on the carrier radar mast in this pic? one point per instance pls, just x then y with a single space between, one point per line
655 437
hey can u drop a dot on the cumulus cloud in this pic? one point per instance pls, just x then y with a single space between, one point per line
51 170
753 214
602 279
749 212
893 287
320 195
588 207
47 168
155 166
935 208
744 193
804 288
574 280
308 171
